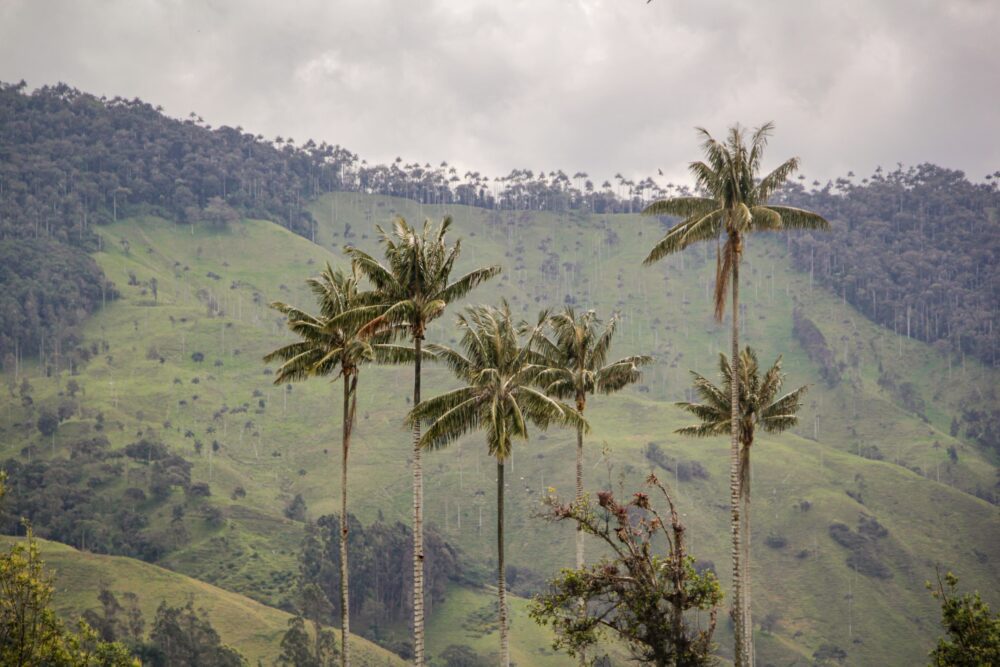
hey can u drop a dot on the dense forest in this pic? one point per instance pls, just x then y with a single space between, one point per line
48 290
381 585
915 249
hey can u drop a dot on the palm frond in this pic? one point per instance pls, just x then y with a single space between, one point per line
705 429
774 180
461 287
454 360
683 234
379 276
764 219
617 376
449 425
395 355
797 218
682 207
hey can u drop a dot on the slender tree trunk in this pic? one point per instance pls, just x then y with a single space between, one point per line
740 659
501 576
579 499
418 519
745 538
350 403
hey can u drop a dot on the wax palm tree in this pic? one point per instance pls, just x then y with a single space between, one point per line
326 348
735 205
498 370
576 360
414 287
759 407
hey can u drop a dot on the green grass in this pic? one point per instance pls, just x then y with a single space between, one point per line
666 312
253 628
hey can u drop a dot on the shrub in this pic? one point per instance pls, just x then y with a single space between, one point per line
776 541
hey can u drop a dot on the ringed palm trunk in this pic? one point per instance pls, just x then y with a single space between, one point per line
350 403
418 519
501 576
580 405
745 517
734 474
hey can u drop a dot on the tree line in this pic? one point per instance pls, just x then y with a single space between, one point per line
916 253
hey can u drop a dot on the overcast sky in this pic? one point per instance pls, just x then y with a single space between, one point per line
592 85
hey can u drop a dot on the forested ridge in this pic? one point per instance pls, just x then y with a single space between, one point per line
915 249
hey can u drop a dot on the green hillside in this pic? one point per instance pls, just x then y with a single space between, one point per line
253 628
894 402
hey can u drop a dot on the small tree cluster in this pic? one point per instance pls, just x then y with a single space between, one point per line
973 631
637 594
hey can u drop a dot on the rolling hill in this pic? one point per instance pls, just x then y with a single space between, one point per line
254 628
852 510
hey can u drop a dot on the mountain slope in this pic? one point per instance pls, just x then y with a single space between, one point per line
253 628
919 494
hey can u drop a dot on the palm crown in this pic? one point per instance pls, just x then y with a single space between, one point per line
757 408
499 395
328 346
736 203
414 286
576 357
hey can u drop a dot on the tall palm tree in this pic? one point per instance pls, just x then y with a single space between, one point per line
576 365
576 361
414 287
759 407
735 205
498 369
327 348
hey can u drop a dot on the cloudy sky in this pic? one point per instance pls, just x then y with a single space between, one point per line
595 85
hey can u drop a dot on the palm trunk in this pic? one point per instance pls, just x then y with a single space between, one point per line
579 494
579 499
501 577
740 659
745 540
418 520
350 403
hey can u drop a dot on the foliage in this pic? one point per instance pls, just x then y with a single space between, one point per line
576 357
972 630
982 426
30 631
184 636
48 290
415 285
78 499
917 251
760 406
636 594
330 344
380 576
735 205
499 370
463 656
298 649
863 546
814 343
295 509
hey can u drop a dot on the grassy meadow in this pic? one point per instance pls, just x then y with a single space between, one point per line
212 293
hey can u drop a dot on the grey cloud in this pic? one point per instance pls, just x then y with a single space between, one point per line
595 85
